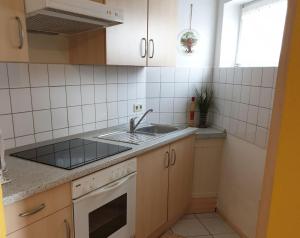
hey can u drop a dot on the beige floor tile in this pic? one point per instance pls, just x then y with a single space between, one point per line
227 236
189 227
188 216
216 225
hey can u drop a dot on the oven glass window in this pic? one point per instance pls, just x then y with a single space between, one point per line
109 218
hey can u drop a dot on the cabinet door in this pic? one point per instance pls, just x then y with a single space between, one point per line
13 40
162 24
180 177
126 43
58 225
152 191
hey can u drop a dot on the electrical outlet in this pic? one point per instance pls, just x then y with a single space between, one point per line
137 107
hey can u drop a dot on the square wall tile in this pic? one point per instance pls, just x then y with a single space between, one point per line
196 75
89 115
243 112
166 105
21 100
166 118
75 130
23 124
236 94
256 77
230 75
153 90
113 122
87 94
238 76
180 105
6 126
99 74
153 103
153 74
141 90
58 97
5 107
254 95
223 75
74 116
56 75
132 91
247 76
245 94
112 110
25 140
72 75
250 133
18 75
101 112
181 89
38 75
112 92
122 92
73 95
42 121
9 143
3 76
89 127
264 116
252 115
132 75
182 75
101 125
266 96
167 90
59 118
141 74
122 74
86 74
268 77
180 118
40 98
100 93
44 136
167 75
122 109
60 133
111 74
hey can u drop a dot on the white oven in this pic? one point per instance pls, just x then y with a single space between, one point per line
104 202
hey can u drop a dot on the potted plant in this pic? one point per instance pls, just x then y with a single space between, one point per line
204 101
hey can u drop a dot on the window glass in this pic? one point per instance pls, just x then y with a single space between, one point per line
261 31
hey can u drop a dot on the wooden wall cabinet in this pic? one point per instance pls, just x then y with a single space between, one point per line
164 186
13 40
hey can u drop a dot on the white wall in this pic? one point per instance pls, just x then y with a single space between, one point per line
240 184
204 21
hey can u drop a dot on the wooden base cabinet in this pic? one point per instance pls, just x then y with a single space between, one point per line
164 186
57 225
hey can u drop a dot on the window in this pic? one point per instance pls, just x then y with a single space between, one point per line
261 31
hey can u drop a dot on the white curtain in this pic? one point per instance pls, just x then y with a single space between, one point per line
261 32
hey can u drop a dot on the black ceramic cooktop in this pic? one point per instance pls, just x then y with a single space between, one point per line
71 154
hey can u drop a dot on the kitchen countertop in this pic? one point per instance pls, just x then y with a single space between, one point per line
29 178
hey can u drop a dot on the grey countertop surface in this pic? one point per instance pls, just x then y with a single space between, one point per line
28 178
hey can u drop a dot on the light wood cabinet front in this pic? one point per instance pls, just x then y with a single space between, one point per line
180 177
13 40
152 192
126 44
162 25
58 225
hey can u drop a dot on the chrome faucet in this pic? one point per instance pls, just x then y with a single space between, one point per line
133 126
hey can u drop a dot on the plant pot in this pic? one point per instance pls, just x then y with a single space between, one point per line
203 120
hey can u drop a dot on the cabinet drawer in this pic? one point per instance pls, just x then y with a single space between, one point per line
32 209
58 225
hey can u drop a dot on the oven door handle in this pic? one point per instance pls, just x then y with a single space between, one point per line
107 188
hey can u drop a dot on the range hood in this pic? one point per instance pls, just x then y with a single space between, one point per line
69 16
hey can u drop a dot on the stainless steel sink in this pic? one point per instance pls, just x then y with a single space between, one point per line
156 129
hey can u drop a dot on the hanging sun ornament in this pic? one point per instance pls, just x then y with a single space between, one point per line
188 38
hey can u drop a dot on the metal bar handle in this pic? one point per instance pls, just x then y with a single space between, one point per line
173 156
153 50
167 159
33 211
21 33
68 228
145 45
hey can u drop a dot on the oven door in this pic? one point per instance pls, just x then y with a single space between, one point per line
108 211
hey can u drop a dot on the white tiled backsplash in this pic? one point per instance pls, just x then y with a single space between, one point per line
40 102
244 101
169 92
